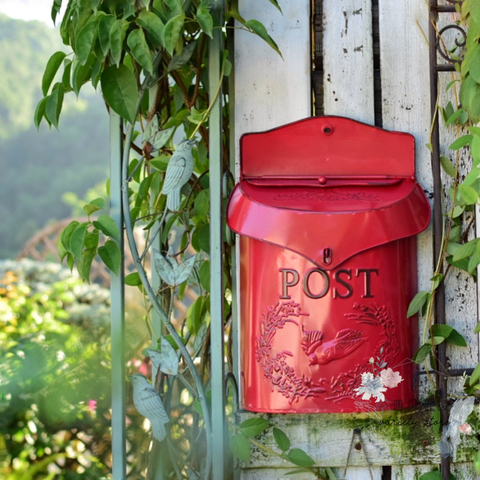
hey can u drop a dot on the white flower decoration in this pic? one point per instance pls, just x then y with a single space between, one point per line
371 386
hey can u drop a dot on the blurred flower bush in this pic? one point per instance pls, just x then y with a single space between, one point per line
55 376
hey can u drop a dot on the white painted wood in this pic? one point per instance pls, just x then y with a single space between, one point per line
354 473
404 63
348 59
462 471
270 91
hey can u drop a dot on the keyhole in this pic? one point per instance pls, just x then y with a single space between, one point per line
327 129
327 256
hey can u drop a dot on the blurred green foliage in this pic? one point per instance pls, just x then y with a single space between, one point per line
55 376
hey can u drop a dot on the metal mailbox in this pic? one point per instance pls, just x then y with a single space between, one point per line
327 210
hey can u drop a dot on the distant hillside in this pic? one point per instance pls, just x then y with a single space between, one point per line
25 47
37 168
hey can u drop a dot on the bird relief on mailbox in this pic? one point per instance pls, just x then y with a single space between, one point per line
327 210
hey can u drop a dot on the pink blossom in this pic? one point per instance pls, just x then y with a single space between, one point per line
390 379
465 428
92 406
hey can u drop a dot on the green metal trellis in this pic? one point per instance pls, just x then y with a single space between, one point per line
216 426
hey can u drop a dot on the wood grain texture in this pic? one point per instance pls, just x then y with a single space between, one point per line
348 59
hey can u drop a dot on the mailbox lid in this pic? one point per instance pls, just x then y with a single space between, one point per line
327 184
344 232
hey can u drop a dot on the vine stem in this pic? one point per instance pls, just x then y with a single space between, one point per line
144 278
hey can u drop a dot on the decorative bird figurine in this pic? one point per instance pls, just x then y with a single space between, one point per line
149 404
320 353
179 170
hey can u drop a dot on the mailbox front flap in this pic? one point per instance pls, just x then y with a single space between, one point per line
318 199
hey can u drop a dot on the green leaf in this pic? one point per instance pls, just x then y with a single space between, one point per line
153 26
468 194
172 32
205 20
461 142
476 462
70 261
57 5
454 117
201 238
281 439
119 88
67 73
254 426
475 149
85 264
85 40
175 6
258 28
91 239
204 274
435 341
422 353
40 112
475 376
111 256
104 28
62 252
133 280
77 240
240 447
160 163
89 209
465 250
99 202
420 299
81 73
51 70
477 328
67 234
436 420
54 104
202 204
108 226
447 166
274 2
196 314
139 49
117 36
178 61
435 475
300 458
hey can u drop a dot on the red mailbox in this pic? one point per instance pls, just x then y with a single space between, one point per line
327 210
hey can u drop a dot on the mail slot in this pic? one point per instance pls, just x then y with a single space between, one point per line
327 210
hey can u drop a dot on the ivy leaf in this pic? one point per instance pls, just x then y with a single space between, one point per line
240 447
178 61
461 142
67 234
281 439
117 36
465 250
104 28
420 299
258 28
133 280
51 70
40 112
468 194
85 40
166 359
196 314
172 32
300 458
139 49
205 20
54 104
111 256
85 264
77 240
254 426
57 5
154 27
422 353
108 226
447 166
119 88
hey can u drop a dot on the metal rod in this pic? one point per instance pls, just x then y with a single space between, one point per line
441 376
216 253
117 293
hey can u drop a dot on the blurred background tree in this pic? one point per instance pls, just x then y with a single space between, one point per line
37 168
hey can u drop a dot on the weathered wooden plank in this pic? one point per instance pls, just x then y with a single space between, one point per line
348 59
389 438
464 471
271 91
404 63
353 473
